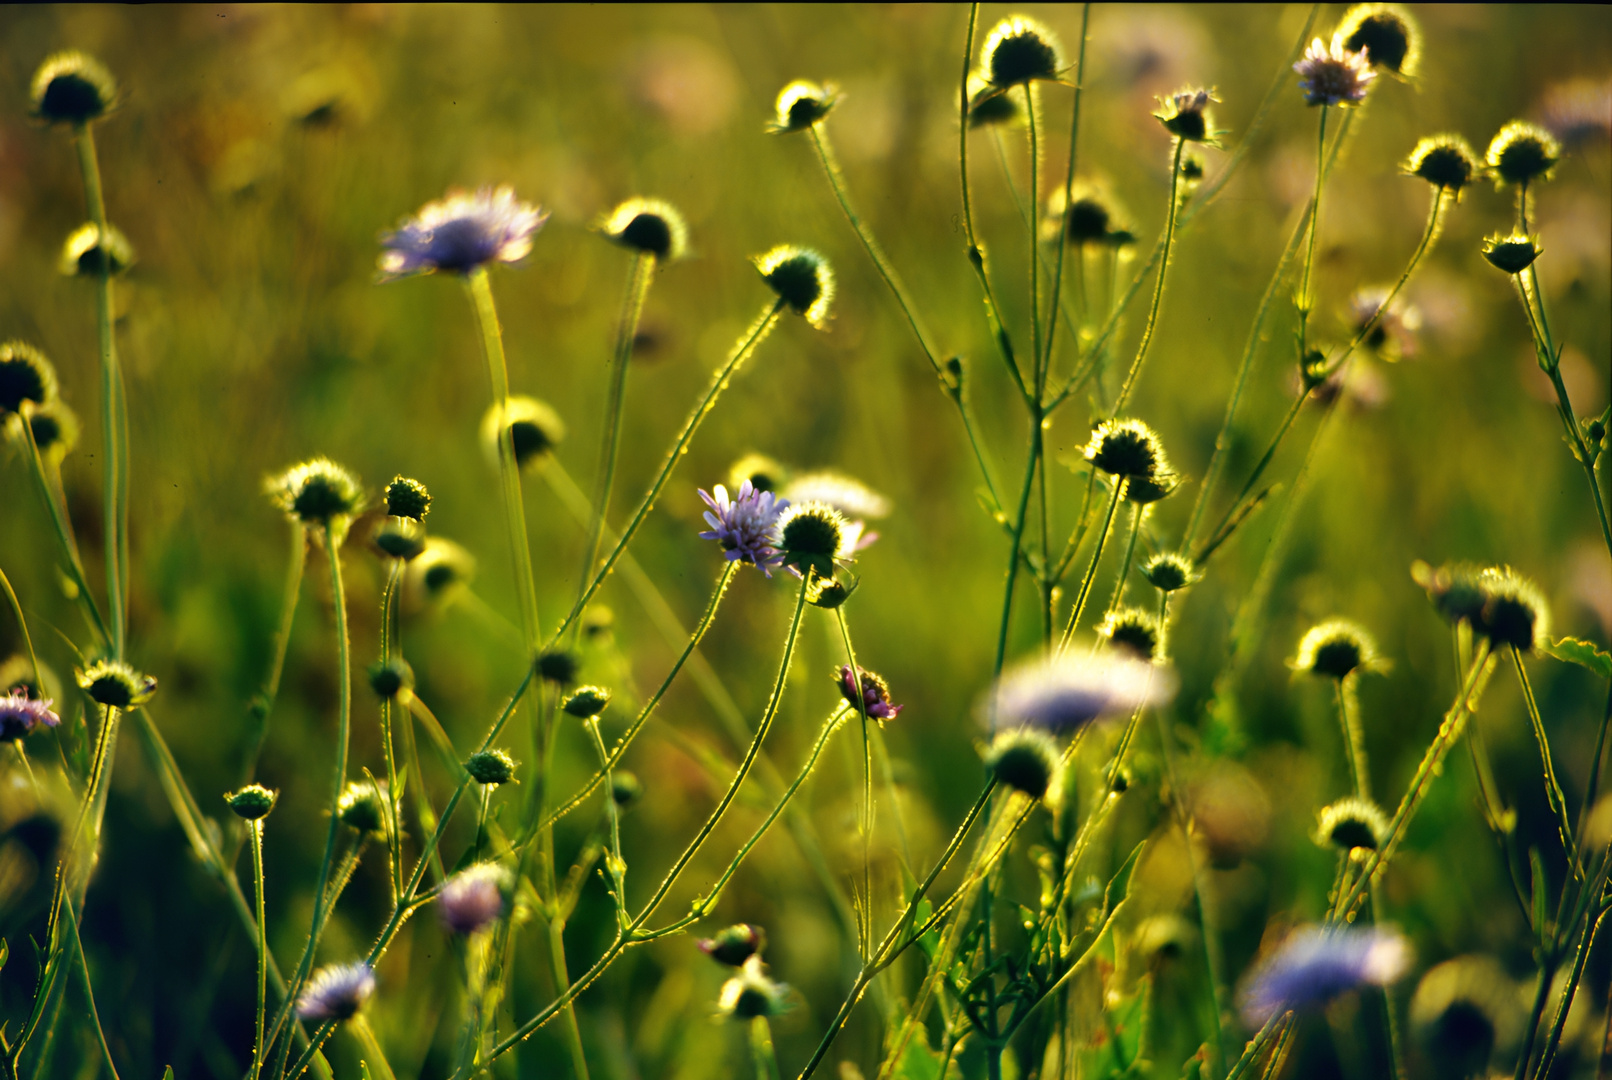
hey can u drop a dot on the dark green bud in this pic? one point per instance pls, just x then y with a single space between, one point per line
407 498
558 666
734 945
625 788
389 678
586 701
1511 254
253 802
1025 760
490 767
72 88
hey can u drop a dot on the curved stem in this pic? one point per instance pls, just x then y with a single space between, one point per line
1158 286
1120 484
1118 596
1354 742
1234 514
1306 300
1056 300
27 639
1430 235
64 537
256 830
1553 789
263 704
375 1057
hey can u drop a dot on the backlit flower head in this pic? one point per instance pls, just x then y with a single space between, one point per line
1169 571
1065 693
1131 631
1521 153
253 802
399 538
989 106
1386 33
1456 589
1445 161
1094 218
1149 489
1316 964
735 944
389 678
1020 50
53 426
1463 1009
473 898
558 665
1186 115
1334 74
801 278
764 473
1126 448
746 526
461 232
25 376
625 788
801 104
317 492
534 426
1336 649
72 88
439 572
872 696
337 992
84 250
1513 253
20 714
812 536
1514 611
1352 824
407 498
849 496
490 767
651 226
750 993
586 701
1025 760
1393 334
364 806
116 684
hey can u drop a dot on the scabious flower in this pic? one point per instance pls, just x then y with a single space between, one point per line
1335 74
441 570
491 767
873 695
407 498
1065 693
1317 963
988 106
337 992
801 278
746 527
1093 218
852 498
1462 1009
1521 153
801 104
1335 649
1186 115
253 802
1514 611
1445 161
116 684
1132 631
1125 448
764 473
813 536
363 806
1385 33
389 678
72 88
1025 760
1352 824
534 427
1169 571
559 666
1393 335
20 714
25 377
461 232
317 492
586 701
751 993
84 250
651 226
472 899
735 944
1020 50
53 426
1511 254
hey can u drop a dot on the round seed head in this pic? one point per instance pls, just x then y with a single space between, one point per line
534 427
1462 1009
1132 631
84 251
362 808
829 594
586 701
1386 32
490 767
764 473
1025 760
801 104
389 678
400 538
1146 490
625 788
1094 218
989 105
1456 589
407 498
439 571
1514 611
1521 153
115 684
1511 254
1335 649
811 536
1168 571
558 666
53 426
1185 114
651 226
1020 50
72 88
801 278
25 377
735 944
318 492
1352 823
253 802
1445 161
1126 448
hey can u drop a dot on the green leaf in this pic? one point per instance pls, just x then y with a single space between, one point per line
168 1073
1119 886
918 1062
1541 893
1571 650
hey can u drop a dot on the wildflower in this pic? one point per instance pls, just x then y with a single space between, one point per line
460 233
751 993
1337 649
1186 115
492 767
746 527
1522 152
1514 611
115 684
1335 75
363 807
1461 1010
801 104
473 898
1126 448
1025 760
1445 161
1394 333
872 696
558 666
389 678
1511 254
25 376
53 426
337 992
801 278
763 472
1146 490
72 88
317 492
1168 571
1351 824
407 498
1456 589
1385 33
586 701
650 226
84 251
400 538
1067 692
1020 50
1316 964
442 569
534 427
253 802
1132 631
811 536
734 945
988 106
1092 218
625 788
850 497
20 714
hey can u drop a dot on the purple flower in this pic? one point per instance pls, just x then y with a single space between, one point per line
472 899
747 526
336 992
20 714
1065 693
874 697
461 232
1334 76
1317 963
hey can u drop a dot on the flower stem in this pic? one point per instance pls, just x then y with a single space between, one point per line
256 830
1553 788
263 704
394 832
1120 484
1118 595
64 536
761 1052
866 823
1306 299
374 1057
1158 286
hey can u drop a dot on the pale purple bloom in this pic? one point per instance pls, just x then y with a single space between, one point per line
20 714
875 695
461 232
747 526
1065 693
472 899
1317 963
1334 76
337 992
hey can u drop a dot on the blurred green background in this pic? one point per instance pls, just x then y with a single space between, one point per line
259 152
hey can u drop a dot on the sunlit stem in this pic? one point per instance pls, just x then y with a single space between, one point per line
615 864
27 639
1033 461
761 1052
263 704
64 534
1120 484
1031 222
256 830
374 1057
1056 300
867 786
1306 299
1118 596
1158 286
394 833
1430 235
1553 789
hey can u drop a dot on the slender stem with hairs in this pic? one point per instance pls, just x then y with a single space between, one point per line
1158 286
1305 301
374 1057
255 828
1120 484
1553 788
761 1052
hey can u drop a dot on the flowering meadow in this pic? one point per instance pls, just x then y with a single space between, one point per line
872 543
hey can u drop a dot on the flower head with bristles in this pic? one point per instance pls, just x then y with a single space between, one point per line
746 526
751 993
1462 1010
1456 589
84 251
1385 33
1514 611
1185 114
1511 254
1522 153
318 492
1093 217
337 992
558 665
1352 824
735 944
1131 631
813 535
988 106
1169 571
1445 161
649 226
1064 693
116 684
473 899
391 678
1025 760
849 496
1020 50
491 767
764 473
801 104
871 696
1334 74
534 427
72 88
586 701
440 571
25 377
1317 964
53 426
253 802
1337 649
461 232
20 714
407 498
364 807
801 278
1126 448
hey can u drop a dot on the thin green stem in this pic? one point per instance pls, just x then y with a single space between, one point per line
1056 299
1306 299
256 829
1032 461
1553 788
1034 243
1120 484
1158 286
1564 1004
27 639
374 1057
761 1052
866 823
615 864
1354 742
394 832
64 537
263 704
83 966
1233 515
1117 597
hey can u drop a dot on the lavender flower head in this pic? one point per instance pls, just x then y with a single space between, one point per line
747 526
472 899
20 714
873 695
337 992
1316 964
1065 693
462 232
1334 75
